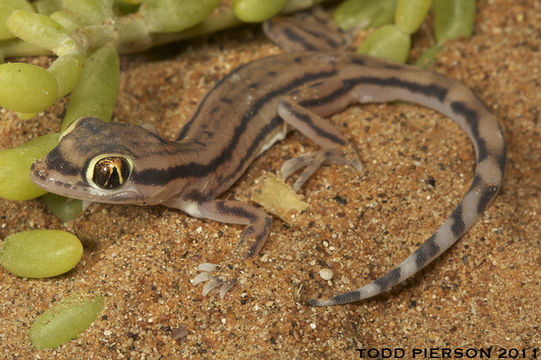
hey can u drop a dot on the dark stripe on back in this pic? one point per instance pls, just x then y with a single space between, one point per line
265 131
431 90
189 124
323 36
293 36
197 170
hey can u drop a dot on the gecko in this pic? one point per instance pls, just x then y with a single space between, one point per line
248 111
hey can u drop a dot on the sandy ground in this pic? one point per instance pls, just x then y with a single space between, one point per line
484 292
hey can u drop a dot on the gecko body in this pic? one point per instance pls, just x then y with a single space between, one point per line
242 116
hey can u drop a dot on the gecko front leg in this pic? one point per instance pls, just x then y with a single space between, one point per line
251 240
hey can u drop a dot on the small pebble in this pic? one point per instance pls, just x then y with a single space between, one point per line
326 274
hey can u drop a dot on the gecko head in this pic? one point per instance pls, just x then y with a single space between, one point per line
95 161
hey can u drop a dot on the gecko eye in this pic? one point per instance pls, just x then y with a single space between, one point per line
111 172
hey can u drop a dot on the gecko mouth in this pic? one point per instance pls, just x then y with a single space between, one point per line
41 176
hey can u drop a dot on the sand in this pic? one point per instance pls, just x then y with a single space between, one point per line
484 292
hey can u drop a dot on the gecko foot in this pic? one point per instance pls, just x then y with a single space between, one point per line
213 281
312 161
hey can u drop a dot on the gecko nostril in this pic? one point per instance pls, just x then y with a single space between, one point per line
38 173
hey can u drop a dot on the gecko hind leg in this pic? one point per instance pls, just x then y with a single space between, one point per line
335 148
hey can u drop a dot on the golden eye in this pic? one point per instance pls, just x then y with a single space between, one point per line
111 172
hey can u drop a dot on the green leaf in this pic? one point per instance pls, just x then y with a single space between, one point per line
95 94
373 13
387 43
6 8
90 12
175 15
15 164
64 208
65 321
67 70
257 10
66 19
26 88
40 253
453 19
410 14
428 57
47 7
42 31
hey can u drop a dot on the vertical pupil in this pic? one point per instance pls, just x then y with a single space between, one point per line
111 172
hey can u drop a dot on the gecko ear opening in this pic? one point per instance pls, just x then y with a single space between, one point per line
109 171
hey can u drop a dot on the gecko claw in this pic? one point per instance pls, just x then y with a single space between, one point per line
212 281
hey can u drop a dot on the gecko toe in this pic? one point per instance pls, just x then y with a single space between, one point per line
213 283
293 165
212 280
201 277
312 161
208 267
226 287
